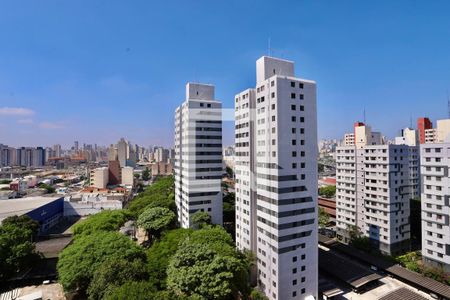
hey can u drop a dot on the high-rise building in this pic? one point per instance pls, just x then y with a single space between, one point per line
99 177
198 154
115 173
375 183
122 152
276 179
422 125
435 165
75 146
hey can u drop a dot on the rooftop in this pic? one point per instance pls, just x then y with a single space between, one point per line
22 206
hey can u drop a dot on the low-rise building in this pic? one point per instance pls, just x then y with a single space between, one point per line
161 168
47 211
127 176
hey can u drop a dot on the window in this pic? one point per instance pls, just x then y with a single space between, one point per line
303 268
294 166
301 96
293 107
294 282
293 119
273 118
294 271
303 291
294 294
294 153
273 106
292 95
294 259
272 83
303 279
292 84
300 85
202 104
273 95
302 108
294 142
302 119
208 105
303 256
273 141
294 130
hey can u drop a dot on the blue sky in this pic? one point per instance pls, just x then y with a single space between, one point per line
95 71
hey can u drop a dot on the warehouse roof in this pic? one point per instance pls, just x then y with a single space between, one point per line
22 206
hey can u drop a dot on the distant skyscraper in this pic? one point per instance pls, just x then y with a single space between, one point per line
122 152
198 154
276 179
75 146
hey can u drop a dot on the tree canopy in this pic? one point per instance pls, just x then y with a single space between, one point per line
155 219
207 264
327 191
113 273
17 251
79 261
107 220
200 219
324 218
160 193
146 174
160 253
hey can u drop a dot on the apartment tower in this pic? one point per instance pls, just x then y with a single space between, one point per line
435 202
276 179
374 185
198 154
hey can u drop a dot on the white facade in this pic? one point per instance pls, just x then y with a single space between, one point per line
435 164
443 131
430 136
198 155
409 137
374 185
276 179
127 176
349 139
99 178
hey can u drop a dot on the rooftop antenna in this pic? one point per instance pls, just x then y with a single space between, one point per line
448 104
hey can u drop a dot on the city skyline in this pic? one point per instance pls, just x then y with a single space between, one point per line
114 75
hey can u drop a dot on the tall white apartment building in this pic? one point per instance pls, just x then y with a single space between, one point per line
198 165
374 185
435 164
276 179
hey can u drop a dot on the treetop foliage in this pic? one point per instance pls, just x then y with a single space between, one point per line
107 220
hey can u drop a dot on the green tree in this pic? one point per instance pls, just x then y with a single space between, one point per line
141 290
113 273
257 295
78 262
324 218
160 253
17 251
207 264
48 188
229 172
146 175
200 219
107 220
157 194
155 219
328 191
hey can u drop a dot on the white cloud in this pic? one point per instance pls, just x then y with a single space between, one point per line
16 111
25 121
51 125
